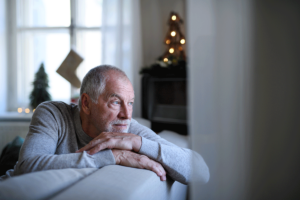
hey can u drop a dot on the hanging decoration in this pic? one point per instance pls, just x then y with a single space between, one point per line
68 67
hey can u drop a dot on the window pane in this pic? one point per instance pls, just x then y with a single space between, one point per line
89 47
89 13
51 48
40 13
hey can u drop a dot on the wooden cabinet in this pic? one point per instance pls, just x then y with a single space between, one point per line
164 103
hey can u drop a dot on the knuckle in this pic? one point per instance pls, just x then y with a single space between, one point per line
91 143
142 160
154 168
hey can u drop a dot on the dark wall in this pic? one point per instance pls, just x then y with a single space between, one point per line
276 109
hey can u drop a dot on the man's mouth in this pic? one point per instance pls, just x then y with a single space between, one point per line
121 125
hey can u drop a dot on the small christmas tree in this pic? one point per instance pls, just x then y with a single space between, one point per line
173 62
39 93
174 40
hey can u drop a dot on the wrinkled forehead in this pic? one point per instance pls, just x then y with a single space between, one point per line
117 83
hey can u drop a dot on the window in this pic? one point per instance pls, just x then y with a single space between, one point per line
45 31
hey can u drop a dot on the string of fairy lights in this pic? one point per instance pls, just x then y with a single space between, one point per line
174 38
25 110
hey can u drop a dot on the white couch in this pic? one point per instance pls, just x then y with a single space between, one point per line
110 182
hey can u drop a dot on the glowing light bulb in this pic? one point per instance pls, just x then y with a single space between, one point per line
173 33
174 17
27 110
165 59
20 110
182 41
171 50
168 41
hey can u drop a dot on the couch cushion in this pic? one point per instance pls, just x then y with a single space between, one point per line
119 182
175 138
41 185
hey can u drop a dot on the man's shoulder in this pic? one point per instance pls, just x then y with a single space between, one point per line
57 104
56 109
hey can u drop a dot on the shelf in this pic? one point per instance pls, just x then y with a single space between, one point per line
14 116
167 79
169 120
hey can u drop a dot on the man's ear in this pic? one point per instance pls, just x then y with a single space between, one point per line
86 103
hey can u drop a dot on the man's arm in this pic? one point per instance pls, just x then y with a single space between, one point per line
176 160
39 149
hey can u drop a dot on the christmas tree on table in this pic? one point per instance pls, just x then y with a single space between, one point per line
39 93
174 40
173 62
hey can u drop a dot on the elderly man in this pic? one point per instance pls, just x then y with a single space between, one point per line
100 132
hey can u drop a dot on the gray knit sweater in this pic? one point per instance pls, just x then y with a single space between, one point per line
55 133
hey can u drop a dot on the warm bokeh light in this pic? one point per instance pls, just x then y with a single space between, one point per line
171 50
20 110
174 17
173 33
182 41
33 110
27 110
165 59
168 41
180 48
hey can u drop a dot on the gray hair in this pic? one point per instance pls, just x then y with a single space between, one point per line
94 81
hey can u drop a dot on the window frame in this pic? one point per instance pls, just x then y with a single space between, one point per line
13 51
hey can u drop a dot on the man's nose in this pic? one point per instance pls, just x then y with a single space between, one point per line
125 112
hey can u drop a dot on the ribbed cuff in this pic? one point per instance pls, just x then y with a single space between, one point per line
149 148
103 158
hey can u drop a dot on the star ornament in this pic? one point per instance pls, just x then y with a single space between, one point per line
68 67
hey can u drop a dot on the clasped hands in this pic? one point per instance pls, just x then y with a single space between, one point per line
124 147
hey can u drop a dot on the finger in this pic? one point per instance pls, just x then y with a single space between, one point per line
156 168
86 147
90 145
104 136
98 148
163 178
161 171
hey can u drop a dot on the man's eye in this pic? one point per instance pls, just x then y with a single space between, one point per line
130 103
116 102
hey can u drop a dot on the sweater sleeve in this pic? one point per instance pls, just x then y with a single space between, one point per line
177 161
39 149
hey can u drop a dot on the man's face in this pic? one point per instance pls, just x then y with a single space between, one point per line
113 111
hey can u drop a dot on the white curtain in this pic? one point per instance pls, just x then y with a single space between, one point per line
217 41
3 71
121 40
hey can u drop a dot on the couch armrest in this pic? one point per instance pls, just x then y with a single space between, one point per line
119 182
41 185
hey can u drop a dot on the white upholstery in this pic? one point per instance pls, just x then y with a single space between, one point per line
144 122
175 138
110 182
41 185
118 182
